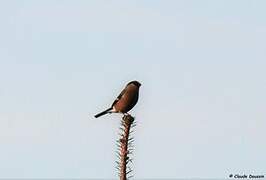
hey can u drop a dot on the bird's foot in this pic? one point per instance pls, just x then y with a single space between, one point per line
126 114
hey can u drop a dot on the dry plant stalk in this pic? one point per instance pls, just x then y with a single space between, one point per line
125 147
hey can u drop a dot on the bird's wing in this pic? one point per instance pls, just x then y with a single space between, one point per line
119 97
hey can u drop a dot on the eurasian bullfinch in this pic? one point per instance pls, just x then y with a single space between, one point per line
126 100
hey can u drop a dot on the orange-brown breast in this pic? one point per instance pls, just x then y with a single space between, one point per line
128 100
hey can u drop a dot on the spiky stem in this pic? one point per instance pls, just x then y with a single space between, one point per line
127 121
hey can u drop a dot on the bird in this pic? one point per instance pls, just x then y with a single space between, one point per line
126 100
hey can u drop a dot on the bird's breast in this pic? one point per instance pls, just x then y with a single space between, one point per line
127 101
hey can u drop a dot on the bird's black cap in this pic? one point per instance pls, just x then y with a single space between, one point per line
136 83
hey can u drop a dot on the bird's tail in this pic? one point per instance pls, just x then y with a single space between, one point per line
103 113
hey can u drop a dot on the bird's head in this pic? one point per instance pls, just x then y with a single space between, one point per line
136 83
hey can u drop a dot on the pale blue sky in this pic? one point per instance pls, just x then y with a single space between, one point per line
202 104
